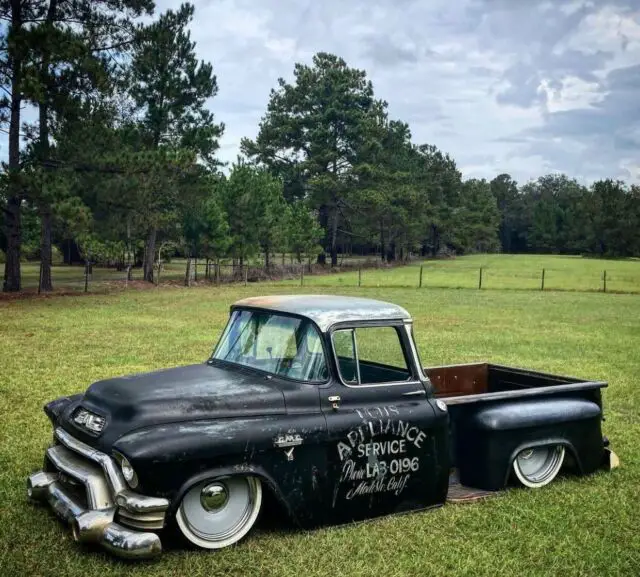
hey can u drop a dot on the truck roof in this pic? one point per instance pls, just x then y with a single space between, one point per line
327 310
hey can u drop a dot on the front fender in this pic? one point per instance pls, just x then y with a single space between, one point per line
225 472
53 409
287 452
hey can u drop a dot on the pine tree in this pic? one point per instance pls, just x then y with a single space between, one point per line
312 133
170 89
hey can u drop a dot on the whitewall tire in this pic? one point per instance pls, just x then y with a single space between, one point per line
217 513
538 466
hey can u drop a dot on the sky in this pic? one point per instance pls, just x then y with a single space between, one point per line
526 87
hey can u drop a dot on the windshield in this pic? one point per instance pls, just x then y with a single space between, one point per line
285 346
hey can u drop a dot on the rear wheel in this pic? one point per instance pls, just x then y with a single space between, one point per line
219 512
537 467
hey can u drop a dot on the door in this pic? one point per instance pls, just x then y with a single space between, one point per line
387 440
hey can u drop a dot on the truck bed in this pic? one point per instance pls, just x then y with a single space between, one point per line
468 383
494 410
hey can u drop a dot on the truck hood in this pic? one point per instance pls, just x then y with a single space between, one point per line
186 393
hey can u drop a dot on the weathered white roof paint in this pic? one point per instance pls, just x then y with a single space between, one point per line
327 310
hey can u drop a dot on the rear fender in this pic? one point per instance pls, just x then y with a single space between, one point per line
489 436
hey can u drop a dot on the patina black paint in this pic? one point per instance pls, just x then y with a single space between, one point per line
330 452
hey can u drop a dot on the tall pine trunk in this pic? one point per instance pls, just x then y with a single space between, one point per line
391 252
46 284
334 236
149 255
435 240
323 219
43 136
187 274
12 232
12 215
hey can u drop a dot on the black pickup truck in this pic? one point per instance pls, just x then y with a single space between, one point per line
318 403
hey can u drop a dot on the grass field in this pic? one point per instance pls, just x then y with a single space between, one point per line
72 278
499 271
576 526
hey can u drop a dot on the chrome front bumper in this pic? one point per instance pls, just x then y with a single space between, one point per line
86 489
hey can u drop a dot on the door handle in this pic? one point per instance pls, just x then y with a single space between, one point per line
335 402
419 392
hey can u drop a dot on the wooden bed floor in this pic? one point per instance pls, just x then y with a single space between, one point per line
459 493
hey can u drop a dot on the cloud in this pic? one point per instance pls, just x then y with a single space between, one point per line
601 135
518 86
387 52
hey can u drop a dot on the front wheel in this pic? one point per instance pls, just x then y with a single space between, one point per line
219 512
537 467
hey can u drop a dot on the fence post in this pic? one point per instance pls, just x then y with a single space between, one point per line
480 279
187 273
86 276
216 273
420 285
542 281
604 282
359 276
246 272
302 275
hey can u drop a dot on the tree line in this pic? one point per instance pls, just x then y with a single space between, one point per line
121 163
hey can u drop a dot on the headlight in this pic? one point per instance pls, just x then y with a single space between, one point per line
127 470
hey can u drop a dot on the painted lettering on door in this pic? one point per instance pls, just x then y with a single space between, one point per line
380 455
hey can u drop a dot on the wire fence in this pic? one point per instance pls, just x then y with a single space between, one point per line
364 274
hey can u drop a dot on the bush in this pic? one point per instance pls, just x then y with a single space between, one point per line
56 255
29 251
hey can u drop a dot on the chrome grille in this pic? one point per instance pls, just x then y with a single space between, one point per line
80 466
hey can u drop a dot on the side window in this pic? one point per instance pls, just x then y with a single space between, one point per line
380 355
346 356
370 355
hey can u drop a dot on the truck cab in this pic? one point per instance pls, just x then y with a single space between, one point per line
318 403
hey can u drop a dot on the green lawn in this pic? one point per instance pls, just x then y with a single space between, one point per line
501 271
576 526
72 278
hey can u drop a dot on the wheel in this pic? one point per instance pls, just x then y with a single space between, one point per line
219 512
538 466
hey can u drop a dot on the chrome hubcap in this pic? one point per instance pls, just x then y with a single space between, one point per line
214 497
216 514
538 466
